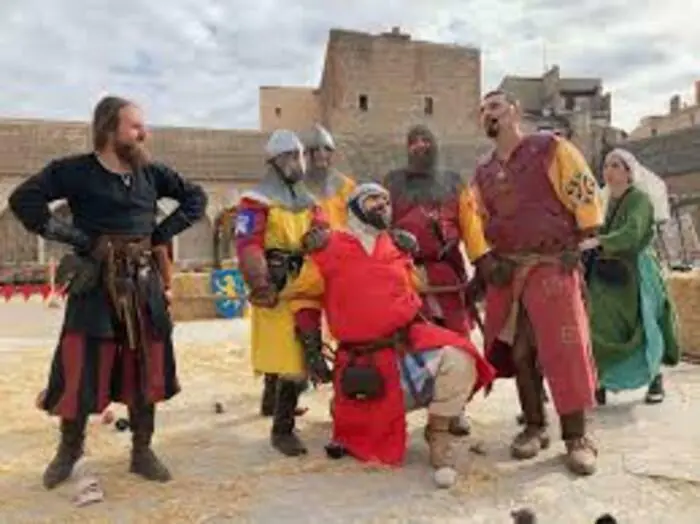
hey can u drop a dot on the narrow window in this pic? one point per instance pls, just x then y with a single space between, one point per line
363 102
428 105
278 112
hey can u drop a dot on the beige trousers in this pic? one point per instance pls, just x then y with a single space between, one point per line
454 375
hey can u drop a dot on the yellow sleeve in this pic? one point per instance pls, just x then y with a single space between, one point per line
336 206
575 185
349 186
471 224
306 290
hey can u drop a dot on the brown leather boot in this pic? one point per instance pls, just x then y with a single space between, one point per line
443 456
581 453
534 437
459 427
269 395
284 437
70 449
441 442
144 461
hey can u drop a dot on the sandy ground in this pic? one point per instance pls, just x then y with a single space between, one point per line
226 471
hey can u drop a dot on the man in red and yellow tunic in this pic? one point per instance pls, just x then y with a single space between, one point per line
389 358
272 218
438 208
538 200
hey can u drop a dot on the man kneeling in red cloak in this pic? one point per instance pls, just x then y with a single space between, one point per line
389 359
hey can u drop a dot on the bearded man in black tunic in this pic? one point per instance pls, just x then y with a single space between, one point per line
116 341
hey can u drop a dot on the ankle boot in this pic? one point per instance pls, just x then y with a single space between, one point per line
581 453
442 443
284 437
269 396
70 449
144 461
459 427
267 405
534 437
656 393
601 396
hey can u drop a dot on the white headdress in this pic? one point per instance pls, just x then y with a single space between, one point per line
644 180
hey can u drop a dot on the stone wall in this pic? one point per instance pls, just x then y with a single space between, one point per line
380 85
288 107
204 154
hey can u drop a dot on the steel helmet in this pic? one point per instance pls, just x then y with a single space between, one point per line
282 141
363 191
318 138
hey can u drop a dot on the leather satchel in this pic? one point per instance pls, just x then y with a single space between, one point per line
362 380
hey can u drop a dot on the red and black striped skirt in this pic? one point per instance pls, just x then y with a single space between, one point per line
88 373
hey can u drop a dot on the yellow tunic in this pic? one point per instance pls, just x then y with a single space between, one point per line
335 206
274 346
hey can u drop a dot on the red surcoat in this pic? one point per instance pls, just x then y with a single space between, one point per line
442 269
525 216
367 298
524 213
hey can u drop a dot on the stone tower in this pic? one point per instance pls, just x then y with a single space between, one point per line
379 85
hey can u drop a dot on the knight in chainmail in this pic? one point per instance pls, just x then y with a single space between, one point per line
436 206
271 221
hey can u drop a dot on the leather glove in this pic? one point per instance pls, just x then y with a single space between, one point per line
265 297
405 241
476 289
316 365
315 239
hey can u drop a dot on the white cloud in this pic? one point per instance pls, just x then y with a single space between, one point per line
199 62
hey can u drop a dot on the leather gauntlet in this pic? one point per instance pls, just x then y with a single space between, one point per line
316 365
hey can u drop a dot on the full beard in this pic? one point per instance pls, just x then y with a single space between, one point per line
422 162
134 155
317 175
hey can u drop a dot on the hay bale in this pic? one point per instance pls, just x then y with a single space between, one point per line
684 289
192 297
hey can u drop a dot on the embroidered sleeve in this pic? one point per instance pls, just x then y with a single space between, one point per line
249 234
576 186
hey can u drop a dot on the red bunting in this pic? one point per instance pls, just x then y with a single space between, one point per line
6 291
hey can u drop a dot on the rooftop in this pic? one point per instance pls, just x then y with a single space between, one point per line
676 153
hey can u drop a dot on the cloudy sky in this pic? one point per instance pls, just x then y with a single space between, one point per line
199 62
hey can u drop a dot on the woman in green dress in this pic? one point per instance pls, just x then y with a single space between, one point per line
633 326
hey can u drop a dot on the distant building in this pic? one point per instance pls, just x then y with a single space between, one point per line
680 116
372 89
576 108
